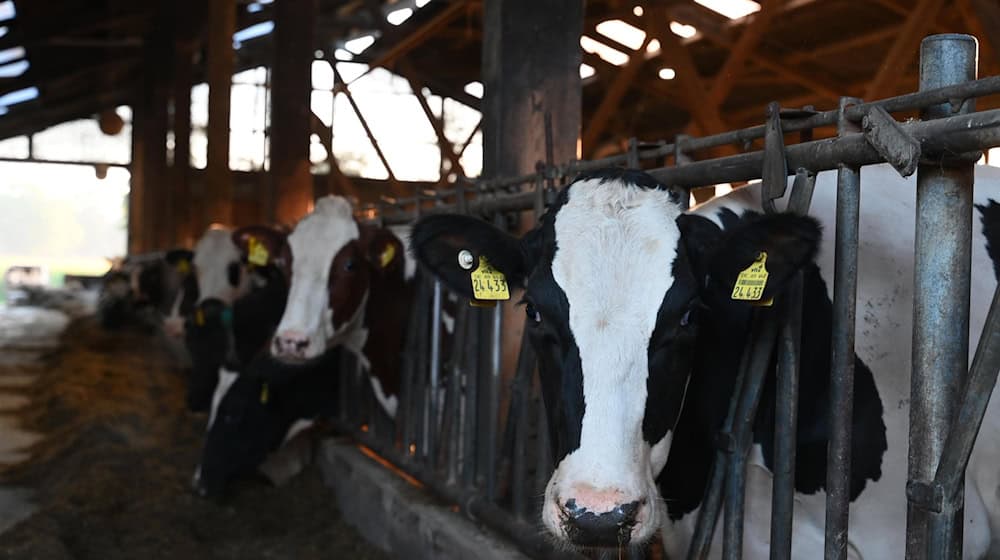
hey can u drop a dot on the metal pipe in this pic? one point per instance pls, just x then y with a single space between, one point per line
941 286
434 416
845 290
493 403
958 447
958 134
469 420
766 330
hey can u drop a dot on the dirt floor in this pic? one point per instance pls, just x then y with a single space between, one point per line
111 475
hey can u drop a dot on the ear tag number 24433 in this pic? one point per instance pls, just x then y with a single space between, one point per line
488 283
751 282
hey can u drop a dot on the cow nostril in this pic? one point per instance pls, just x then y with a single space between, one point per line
301 344
611 528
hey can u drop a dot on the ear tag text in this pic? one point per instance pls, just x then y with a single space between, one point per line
751 282
387 255
257 254
488 283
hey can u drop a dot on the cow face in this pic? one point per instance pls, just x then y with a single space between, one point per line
613 288
333 260
219 267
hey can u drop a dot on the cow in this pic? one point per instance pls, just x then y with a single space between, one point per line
241 290
152 292
350 292
628 303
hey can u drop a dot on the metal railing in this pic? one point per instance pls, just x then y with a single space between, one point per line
448 431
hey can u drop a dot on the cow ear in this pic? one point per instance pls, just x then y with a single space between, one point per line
439 240
382 249
180 259
261 245
784 242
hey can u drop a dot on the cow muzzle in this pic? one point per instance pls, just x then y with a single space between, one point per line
290 345
591 517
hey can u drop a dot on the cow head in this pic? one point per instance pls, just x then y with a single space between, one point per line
333 263
614 277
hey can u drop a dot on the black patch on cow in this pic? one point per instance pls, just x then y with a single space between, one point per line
723 334
635 177
990 216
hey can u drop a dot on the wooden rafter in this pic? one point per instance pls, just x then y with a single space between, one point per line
744 47
445 145
857 41
904 49
983 19
342 88
613 95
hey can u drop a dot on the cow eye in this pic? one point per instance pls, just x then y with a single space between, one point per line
350 265
233 272
533 315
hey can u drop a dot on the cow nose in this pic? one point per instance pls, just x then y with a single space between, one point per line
611 528
290 344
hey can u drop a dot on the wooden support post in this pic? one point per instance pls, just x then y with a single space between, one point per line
531 65
185 42
152 114
291 88
897 59
137 187
218 206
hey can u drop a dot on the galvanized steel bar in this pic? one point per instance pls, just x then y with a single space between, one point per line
493 403
845 283
434 414
786 421
766 331
941 285
958 447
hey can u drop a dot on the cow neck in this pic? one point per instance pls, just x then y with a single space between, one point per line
722 336
387 309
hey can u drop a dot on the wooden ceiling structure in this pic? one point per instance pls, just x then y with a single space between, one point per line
85 56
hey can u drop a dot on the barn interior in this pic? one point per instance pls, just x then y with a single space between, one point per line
243 112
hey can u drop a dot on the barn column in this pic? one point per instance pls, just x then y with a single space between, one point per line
291 83
531 65
149 145
181 204
218 204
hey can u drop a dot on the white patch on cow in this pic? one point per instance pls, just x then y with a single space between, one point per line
213 254
616 245
173 324
409 261
226 380
297 428
389 404
316 240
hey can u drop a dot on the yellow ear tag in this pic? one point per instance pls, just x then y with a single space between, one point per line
199 317
387 255
489 283
258 254
265 394
183 266
751 282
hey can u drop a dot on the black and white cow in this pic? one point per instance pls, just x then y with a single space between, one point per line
153 293
628 303
238 306
349 292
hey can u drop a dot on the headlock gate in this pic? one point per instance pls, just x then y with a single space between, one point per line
479 440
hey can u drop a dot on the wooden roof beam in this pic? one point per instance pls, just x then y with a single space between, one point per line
899 9
983 20
904 49
618 87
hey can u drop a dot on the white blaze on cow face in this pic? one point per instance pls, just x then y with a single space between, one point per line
221 274
307 326
616 245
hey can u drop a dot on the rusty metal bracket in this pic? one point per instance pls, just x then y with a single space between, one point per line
892 142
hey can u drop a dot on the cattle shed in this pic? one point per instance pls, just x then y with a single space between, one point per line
247 113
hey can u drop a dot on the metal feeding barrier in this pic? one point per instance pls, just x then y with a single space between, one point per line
448 430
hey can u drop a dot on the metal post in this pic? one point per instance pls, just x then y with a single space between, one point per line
845 291
493 403
941 285
433 416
